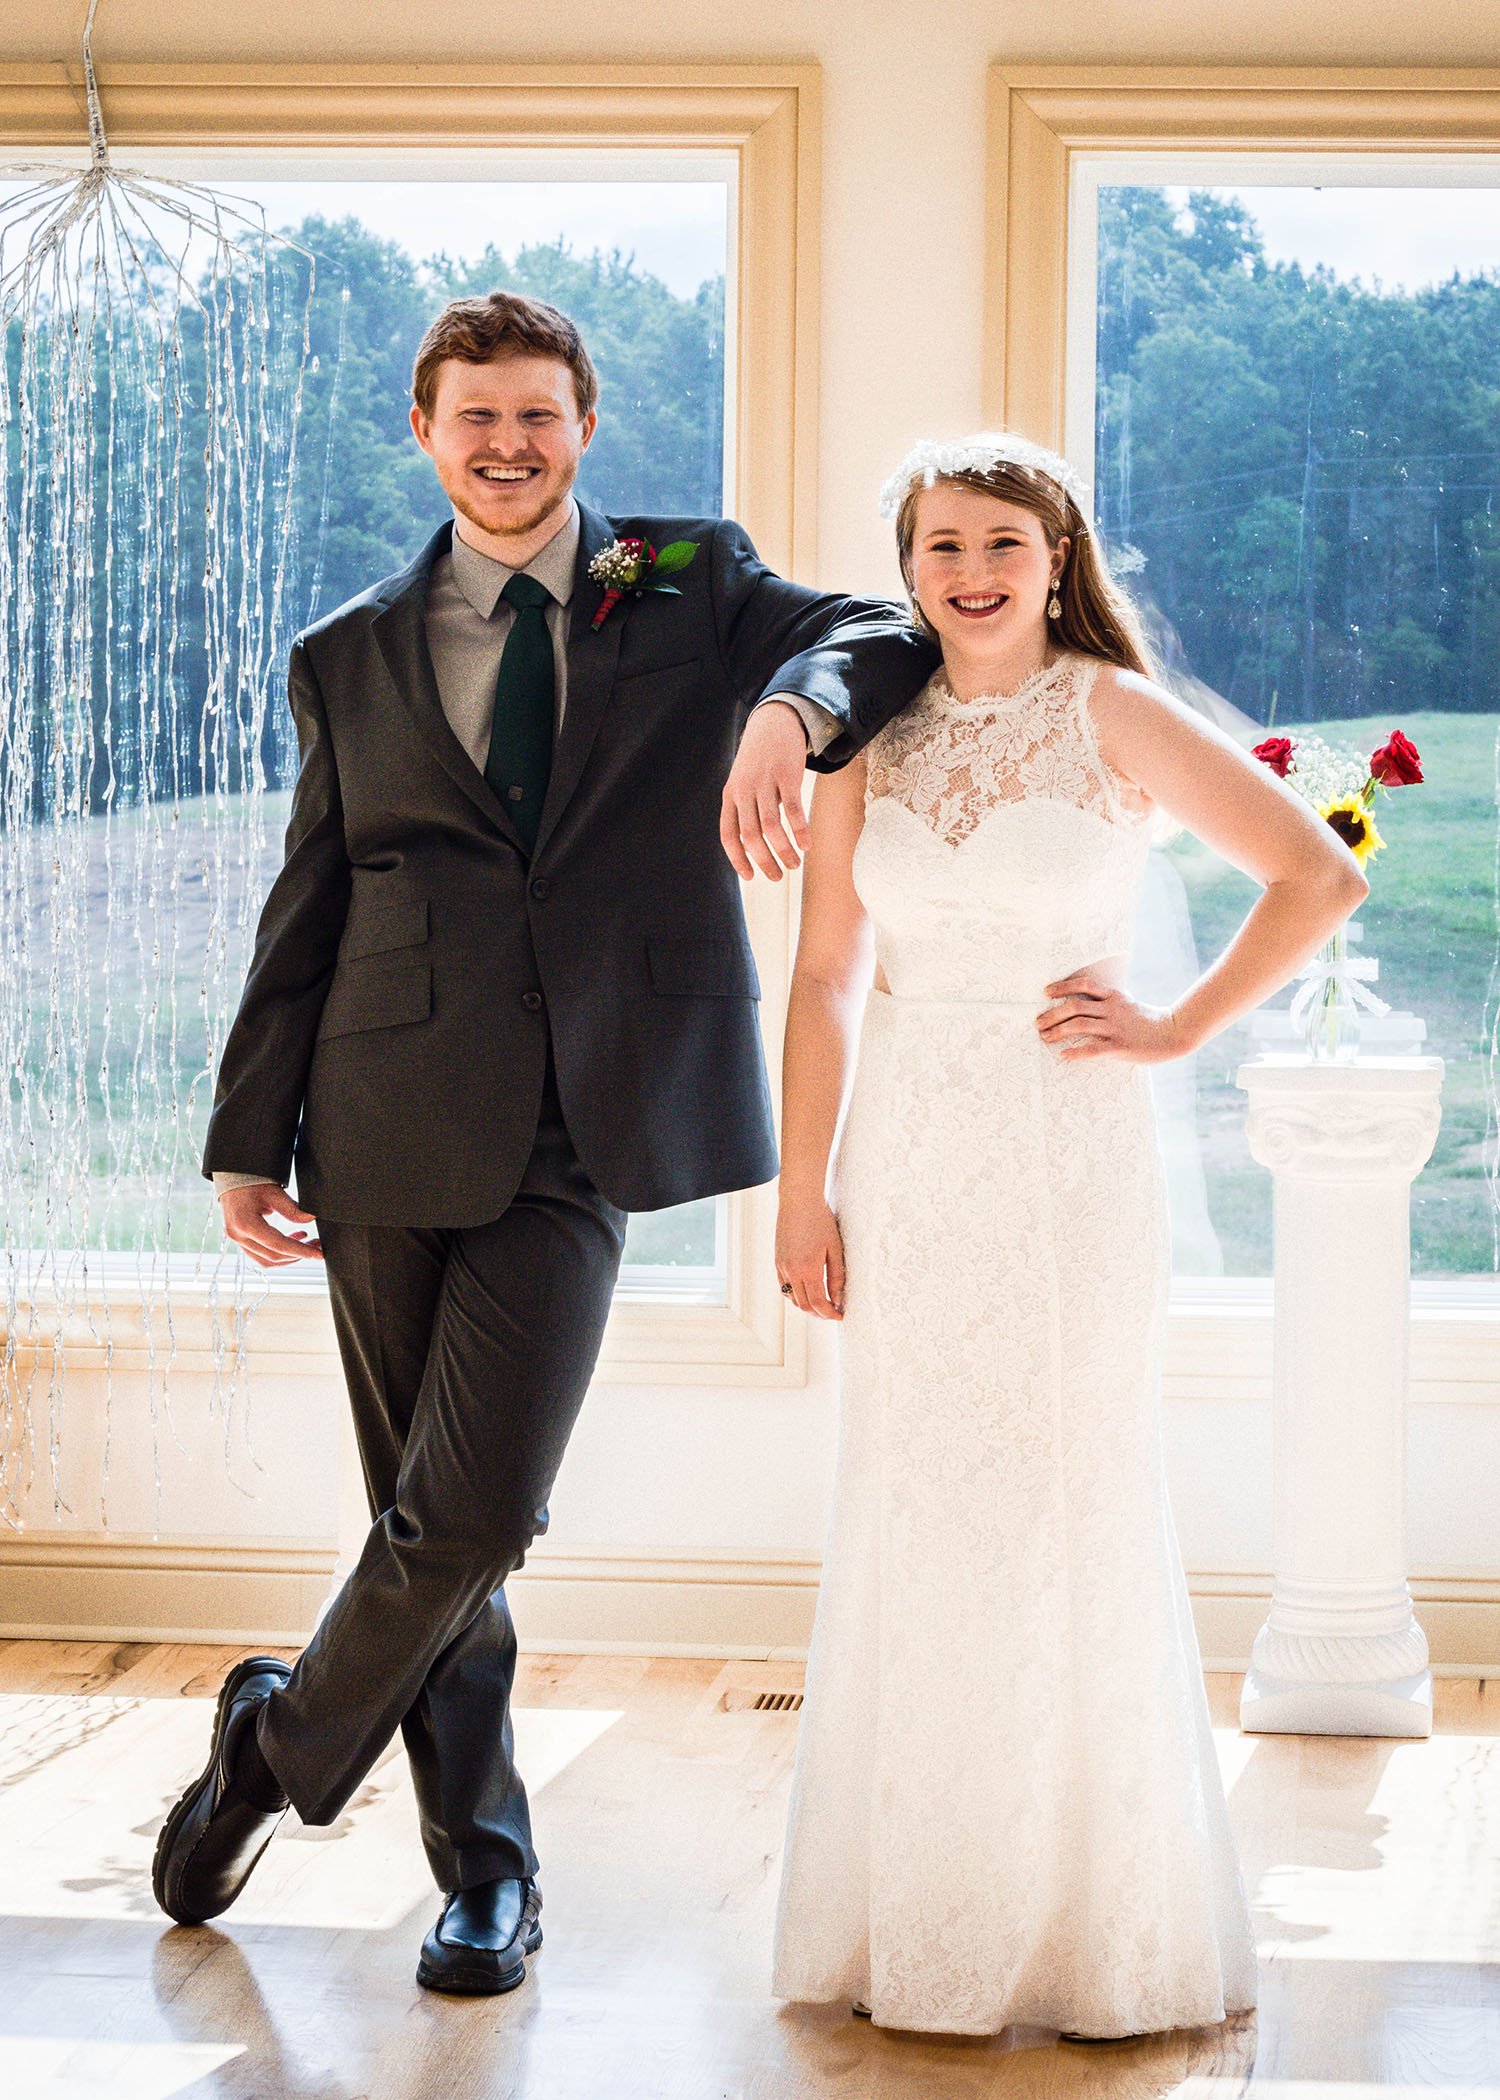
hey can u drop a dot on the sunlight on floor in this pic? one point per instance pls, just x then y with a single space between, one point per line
62 2070
89 1778
1407 1872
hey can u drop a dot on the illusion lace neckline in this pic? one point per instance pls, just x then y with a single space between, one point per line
991 701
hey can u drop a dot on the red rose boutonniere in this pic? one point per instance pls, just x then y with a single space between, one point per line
633 567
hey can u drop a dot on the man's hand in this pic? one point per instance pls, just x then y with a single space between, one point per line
245 1213
765 783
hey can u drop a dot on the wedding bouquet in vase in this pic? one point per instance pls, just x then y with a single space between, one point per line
1342 788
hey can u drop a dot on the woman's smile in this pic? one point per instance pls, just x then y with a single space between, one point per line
978 605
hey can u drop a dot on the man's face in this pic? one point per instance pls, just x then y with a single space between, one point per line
506 438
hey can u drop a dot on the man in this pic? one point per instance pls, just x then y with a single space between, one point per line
501 995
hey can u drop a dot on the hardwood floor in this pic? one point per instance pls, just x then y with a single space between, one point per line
1374 1867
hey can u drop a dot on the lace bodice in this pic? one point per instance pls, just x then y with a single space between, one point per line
998 850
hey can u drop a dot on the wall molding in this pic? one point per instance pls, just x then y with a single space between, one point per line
85 1586
94 1586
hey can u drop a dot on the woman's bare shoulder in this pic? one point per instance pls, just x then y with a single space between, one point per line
1131 711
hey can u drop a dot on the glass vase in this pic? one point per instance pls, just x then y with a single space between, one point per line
1331 1025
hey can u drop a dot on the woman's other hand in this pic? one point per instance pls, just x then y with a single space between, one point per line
810 1255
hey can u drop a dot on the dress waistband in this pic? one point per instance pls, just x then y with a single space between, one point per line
1022 1009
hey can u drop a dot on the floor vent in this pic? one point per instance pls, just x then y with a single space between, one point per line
746 1699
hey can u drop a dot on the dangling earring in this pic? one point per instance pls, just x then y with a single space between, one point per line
1054 603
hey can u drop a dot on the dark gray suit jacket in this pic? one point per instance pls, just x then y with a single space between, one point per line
411 956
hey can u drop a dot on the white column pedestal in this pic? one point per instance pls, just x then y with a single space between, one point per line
1341 1653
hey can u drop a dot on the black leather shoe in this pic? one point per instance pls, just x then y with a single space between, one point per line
480 1942
214 1836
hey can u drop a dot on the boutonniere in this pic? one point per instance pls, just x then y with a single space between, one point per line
634 566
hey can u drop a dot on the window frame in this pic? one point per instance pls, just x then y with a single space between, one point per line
767 118
1041 121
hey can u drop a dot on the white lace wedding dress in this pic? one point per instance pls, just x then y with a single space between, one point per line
1005 1806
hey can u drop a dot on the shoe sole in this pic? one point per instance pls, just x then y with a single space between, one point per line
477 1980
253 1666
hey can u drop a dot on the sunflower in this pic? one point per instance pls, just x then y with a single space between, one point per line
1354 824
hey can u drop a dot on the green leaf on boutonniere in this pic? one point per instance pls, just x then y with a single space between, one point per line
671 558
664 590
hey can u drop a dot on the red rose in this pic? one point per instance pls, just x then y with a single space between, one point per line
1276 752
1397 763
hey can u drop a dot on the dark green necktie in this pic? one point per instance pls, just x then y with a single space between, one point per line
519 761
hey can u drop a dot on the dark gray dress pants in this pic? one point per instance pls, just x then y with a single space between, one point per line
467 1351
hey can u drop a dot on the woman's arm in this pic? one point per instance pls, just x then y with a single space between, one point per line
1310 880
835 956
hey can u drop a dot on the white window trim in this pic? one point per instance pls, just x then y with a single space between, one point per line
1218 1343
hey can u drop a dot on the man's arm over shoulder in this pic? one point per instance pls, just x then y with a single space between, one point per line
852 662
263 1071
841 666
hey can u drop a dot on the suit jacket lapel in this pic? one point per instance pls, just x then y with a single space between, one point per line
400 630
592 658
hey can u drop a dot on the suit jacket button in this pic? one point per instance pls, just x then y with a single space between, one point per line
540 886
532 1001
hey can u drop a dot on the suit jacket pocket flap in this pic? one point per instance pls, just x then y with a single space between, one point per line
702 966
677 669
377 994
378 923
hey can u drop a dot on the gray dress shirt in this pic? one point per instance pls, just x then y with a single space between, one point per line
467 625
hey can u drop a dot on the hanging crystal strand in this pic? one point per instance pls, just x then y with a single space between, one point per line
1491 1152
149 409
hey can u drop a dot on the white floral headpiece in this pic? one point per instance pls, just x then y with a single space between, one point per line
934 458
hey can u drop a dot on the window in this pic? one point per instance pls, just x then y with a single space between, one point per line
1278 359
1293 439
669 215
640 263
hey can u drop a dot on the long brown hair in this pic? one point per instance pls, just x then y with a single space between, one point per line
1097 616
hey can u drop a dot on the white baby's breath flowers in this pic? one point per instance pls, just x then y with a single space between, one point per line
618 564
1321 771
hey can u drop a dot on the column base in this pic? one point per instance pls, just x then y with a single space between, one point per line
1401 1706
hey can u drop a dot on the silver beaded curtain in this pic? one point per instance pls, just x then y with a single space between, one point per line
155 339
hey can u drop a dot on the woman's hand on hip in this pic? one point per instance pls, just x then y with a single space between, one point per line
810 1256
1092 1018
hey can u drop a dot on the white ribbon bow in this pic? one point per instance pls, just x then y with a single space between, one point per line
1348 971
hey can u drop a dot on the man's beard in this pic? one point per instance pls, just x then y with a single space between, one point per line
516 527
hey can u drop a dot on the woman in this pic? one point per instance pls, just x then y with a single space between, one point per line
1006 1807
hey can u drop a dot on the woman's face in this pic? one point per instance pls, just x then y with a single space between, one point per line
982 570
